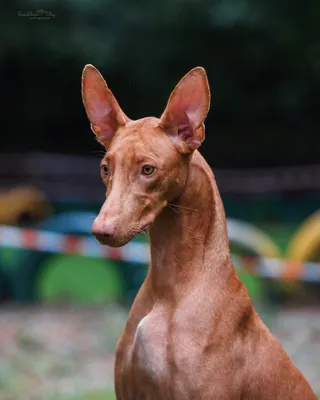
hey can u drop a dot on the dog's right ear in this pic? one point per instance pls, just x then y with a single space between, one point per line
102 108
186 111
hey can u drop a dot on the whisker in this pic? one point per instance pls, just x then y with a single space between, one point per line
171 208
186 208
135 229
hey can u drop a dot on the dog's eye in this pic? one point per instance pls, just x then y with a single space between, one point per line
105 169
147 169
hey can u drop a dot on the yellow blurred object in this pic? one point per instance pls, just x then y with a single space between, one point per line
23 204
306 241
252 238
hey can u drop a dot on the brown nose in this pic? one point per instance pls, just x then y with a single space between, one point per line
103 231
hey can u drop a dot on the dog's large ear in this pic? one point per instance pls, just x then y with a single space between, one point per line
186 111
102 108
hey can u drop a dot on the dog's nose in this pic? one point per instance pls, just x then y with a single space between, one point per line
103 231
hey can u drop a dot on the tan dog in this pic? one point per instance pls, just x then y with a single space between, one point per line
192 332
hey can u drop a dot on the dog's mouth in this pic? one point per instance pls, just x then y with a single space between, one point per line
121 240
139 231
145 228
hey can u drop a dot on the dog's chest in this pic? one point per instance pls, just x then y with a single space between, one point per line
161 364
149 349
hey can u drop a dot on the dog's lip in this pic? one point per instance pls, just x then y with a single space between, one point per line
146 227
119 242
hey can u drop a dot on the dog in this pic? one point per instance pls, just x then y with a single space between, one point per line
192 332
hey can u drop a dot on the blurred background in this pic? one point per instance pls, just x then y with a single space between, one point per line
63 298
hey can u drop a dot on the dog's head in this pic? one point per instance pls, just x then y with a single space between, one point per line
147 160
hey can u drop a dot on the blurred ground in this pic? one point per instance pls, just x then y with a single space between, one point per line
52 353
63 353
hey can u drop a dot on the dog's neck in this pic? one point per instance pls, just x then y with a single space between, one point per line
189 240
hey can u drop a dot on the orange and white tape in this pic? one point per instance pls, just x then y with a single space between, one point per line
135 252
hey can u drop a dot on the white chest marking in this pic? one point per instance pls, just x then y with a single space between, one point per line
149 347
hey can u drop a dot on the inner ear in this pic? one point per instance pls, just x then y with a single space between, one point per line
189 139
187 109
101 106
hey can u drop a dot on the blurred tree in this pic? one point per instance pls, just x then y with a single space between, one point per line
262 58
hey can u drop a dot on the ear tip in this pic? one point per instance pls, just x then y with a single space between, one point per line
89 68
200 71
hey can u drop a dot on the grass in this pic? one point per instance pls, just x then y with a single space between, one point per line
100 395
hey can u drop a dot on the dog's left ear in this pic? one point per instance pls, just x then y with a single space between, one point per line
186 111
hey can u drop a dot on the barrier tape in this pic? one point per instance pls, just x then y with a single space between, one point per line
54 242
135 252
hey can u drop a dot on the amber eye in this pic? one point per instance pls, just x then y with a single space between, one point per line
147 169
105 169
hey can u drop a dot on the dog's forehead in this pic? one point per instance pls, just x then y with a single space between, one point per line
138 138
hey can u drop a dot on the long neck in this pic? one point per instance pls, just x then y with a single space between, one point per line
189 241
